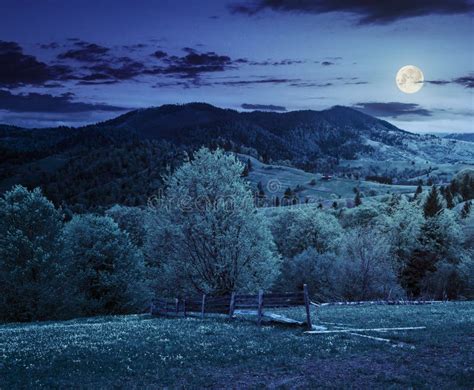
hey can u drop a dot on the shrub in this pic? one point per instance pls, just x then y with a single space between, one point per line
298 229
105 270
30 265
312 268
365 270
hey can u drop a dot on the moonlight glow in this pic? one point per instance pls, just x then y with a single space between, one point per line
410 79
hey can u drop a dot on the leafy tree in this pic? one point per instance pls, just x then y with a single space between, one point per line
315 269
296 230
30 265
361 216
402 227
207 236
105 271
364 268
130 220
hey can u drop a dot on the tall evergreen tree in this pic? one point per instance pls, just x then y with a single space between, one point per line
357 199
465 187
466 209
449 198
277 201
418 191
432 205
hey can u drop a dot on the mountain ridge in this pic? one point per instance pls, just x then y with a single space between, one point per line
306 138
124 159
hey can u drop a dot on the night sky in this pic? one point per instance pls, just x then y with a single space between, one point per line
78 61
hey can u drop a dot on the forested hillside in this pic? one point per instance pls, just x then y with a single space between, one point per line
123 160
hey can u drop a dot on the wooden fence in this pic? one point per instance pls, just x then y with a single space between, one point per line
231 303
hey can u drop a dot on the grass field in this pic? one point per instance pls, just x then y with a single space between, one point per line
139 351
282 177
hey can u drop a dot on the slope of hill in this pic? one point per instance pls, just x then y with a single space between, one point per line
274 180
339 132
339 139
299 136
468 137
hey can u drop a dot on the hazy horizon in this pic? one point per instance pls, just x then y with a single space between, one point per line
238 110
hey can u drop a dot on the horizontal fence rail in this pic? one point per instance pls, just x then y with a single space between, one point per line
230 303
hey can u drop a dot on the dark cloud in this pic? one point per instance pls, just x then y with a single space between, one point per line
309 84
262 107
51 45
159 54
366 11
327 63
97 82
356 82
10 47
465 81
273 62
53 85
125 68
200 61
392 109
135 46
86 52
36 102
17 68
194 64
193 83
437 82
275 81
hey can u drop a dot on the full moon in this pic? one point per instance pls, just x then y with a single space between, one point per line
410 79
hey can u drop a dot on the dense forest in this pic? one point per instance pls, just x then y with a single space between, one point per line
205 233
123 161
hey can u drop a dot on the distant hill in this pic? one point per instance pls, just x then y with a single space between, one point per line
122 160
302 137
469 137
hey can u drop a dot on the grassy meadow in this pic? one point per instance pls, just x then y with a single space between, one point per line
140 351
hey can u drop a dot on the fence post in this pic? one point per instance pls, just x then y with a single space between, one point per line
176 301
184 307
306 304
260 307
151 308
203 305
232 305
